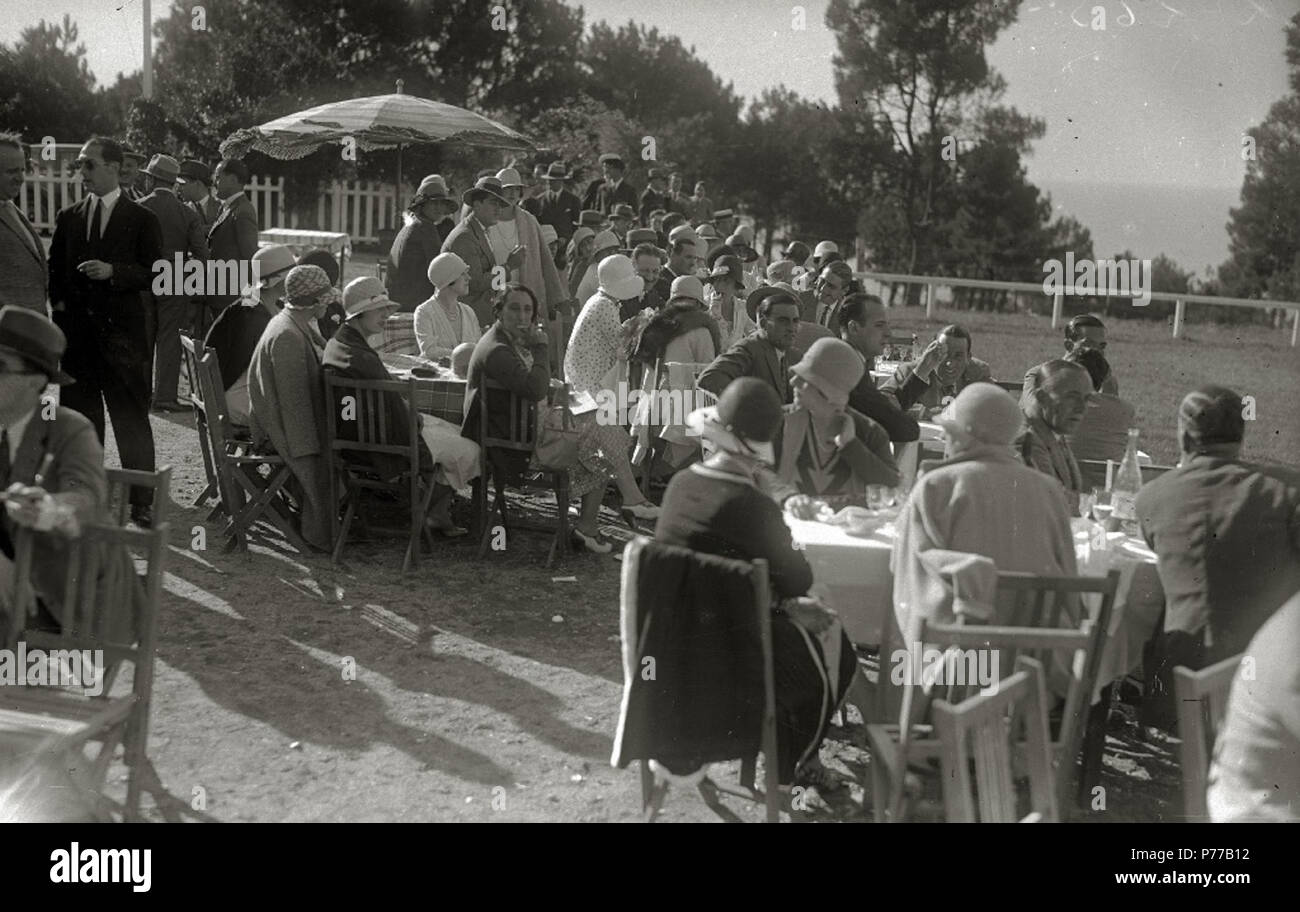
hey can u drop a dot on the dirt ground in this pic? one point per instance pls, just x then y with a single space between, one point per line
483 690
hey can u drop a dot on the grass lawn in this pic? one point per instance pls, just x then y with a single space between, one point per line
490 690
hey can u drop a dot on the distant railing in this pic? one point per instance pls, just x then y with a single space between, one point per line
356 208
1181 300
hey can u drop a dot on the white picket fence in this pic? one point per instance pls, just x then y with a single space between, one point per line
357 208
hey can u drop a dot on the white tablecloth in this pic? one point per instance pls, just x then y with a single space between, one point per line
850 573
908 456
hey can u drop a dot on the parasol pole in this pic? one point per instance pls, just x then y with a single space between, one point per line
397 188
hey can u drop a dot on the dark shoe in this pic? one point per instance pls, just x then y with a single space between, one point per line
447 530
142 515
596 544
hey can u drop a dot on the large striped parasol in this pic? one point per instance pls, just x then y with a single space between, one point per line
374 122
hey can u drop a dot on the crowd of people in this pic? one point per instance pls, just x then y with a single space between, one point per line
538 288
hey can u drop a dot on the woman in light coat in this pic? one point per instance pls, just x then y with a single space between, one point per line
442 322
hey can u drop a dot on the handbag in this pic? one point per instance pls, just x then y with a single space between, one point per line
556 446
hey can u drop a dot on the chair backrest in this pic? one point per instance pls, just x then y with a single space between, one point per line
189 351
1038 606
399 335
521 425
121 482
1202 702
360 407
100 578
629 742
981 730
213 392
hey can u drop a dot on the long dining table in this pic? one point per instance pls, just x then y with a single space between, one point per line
438 391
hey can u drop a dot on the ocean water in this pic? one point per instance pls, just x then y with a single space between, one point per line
1186 223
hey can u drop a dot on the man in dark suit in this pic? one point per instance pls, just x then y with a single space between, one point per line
762 354
654 196
101 265
51 470
183 234
22 255
864 326
233 236
614 190
194 186
129 179
558 207
469 241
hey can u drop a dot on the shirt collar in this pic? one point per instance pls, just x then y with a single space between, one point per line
108 199
230 200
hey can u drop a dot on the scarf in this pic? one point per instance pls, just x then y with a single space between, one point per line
521 351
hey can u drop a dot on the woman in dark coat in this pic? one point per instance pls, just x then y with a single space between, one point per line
417 243
716 507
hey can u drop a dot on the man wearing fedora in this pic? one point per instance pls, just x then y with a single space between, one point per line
182 233
417 243
233 236
51 471
558 207
469 241
194 186
22 255
762 354
621 218
101 267
614 189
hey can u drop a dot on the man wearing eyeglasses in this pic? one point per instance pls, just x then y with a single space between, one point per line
22 255
101 265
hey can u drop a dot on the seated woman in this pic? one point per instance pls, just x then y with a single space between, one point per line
350 354
442 322
715 507
513 353
825 447
334 315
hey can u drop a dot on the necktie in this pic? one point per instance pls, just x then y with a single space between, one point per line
92 222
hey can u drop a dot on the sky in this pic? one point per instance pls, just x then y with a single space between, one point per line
1159 99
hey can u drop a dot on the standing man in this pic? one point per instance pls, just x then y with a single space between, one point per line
101 263
22 255
558 207
469 241
233 236
699 208
1085 331
725 221
654 196
676 199
622 217
614 190
130 179
195 188
182 232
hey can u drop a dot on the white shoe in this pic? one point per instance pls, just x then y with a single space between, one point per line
643 510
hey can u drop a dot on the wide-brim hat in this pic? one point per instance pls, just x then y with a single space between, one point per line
556 172
510 177
444 269
364 294
272 261
623 210
727 267
745 420
738 243
762 292
580 235
641 236
590 218
797 251
833 366
432 188
723 214
613 157
163 167
34 338
133 155
984 412
825 247
606 240
485 186
192 169
617 277
687 286
682 231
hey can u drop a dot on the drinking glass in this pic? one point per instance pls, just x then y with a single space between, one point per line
876 497
1101 505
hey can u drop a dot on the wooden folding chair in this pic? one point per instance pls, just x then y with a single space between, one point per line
654 792
521 436
657 445
1037 605
1202 702
247 495
989 722
122 481
54 724
189 350
366 433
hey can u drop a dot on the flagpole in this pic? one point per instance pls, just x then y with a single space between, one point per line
148 50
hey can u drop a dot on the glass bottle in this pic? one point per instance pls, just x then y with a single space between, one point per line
1127 483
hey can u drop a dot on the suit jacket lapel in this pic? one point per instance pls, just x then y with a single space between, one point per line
28 453
480 235
18 224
